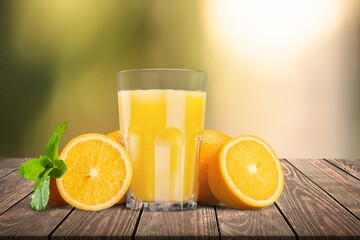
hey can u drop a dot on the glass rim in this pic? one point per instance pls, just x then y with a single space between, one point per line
161 69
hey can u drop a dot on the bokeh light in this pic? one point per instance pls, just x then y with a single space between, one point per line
287 71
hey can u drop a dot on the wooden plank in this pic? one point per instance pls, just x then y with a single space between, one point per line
340 185
351 166
13 188
21 222
311 212
115 222
255 224
8 165
190 224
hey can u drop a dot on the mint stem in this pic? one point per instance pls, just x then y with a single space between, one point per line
44 167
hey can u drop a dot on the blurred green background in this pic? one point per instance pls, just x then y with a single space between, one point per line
287 71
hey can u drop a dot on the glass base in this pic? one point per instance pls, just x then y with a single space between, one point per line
136 204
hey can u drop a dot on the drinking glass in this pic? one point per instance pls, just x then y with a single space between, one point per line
161 115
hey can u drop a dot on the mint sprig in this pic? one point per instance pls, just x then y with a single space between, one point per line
42 168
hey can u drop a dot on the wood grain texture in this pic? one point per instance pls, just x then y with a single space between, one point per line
312 212
319 201
13 188
266 223
191 224
21 222
341 186
351 166
115 222
8 165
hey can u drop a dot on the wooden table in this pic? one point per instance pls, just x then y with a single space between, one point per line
321 199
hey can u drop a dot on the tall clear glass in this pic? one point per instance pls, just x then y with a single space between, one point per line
161 113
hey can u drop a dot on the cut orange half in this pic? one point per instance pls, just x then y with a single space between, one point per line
247 174
98 172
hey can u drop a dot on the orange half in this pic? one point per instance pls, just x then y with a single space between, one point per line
99 172
247 174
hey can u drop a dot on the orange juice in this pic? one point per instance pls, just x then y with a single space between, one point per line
162 132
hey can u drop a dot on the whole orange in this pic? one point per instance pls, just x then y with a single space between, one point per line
117 136
210 147
55 199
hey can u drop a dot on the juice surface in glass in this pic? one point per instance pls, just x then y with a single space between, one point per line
162 132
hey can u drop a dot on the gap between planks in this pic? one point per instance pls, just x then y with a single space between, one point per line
347 191
311 210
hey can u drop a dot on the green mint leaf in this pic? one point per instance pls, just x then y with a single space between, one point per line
41 178
41 195
52 146
31 169
59 168
45 161
44 167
